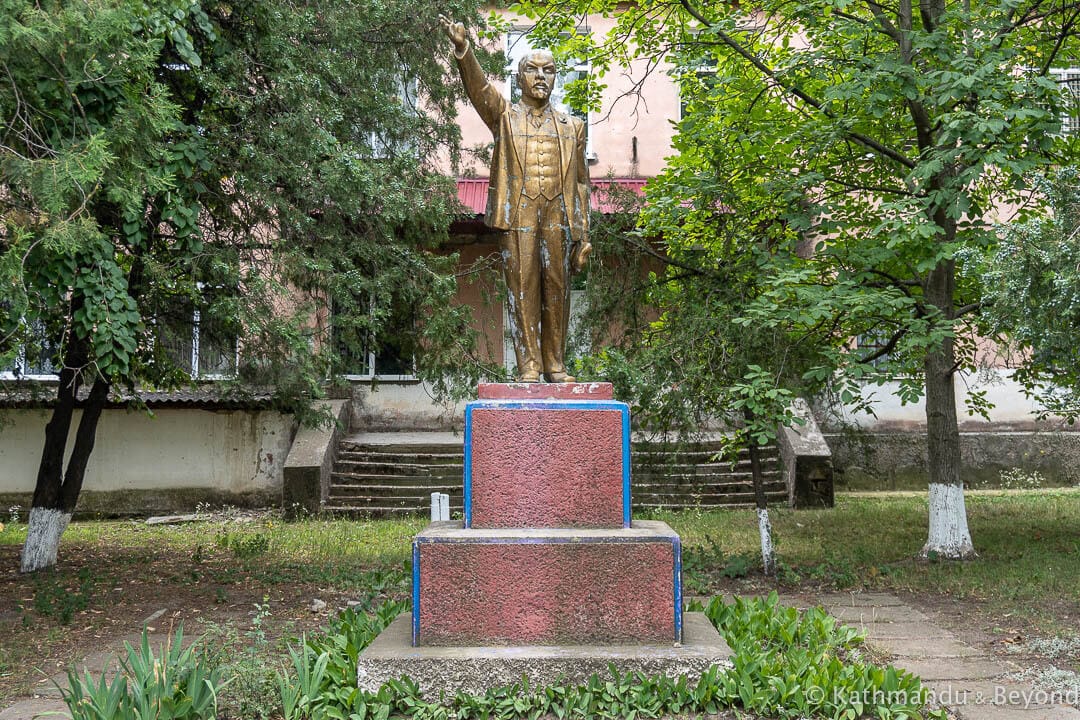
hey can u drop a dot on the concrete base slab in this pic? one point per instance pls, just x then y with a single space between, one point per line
892 630
478 669
982 700
915 648
851 615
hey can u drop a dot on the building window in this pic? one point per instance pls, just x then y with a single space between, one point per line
874 342
518 45
696 76
34 359
391 142
389 355
1069 79
202 346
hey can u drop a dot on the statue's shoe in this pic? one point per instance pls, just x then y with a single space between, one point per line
528 377
559 377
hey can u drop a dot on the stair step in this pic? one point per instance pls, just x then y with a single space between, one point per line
639 476
393 493
432 451
404 468
398 479
394 479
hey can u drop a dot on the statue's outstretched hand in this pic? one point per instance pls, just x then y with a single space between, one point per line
456 32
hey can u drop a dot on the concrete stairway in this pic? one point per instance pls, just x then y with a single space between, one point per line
383 475
396 478
667 476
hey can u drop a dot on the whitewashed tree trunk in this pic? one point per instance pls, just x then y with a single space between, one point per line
768 560
43 538
949 536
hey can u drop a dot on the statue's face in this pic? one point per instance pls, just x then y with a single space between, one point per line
536 76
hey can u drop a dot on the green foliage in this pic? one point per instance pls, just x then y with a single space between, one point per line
787 665
264 164
170 686
701 564
244 546
323 683
793 664
836 169
250 662
54 599
1033 296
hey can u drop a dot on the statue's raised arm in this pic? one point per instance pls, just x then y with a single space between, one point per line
487 100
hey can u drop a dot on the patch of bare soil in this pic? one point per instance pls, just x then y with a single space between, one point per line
97 598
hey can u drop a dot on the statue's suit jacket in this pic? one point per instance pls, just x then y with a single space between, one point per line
508 124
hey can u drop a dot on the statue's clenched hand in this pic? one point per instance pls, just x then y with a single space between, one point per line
456 32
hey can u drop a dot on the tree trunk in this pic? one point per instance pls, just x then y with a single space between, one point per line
948 536
768 559
57 492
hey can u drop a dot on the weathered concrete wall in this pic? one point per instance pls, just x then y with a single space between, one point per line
306 481
808 470
887 450
873 460
1011 409
148 464
389 407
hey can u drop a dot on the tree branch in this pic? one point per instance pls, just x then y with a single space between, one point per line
885 349
798 92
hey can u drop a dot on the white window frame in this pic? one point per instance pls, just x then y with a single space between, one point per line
196 374
18 371
371 370
196 354
701 69
408 90
517 44
1069 80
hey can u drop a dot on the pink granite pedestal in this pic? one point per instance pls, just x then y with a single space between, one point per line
543 586
547 576
542 462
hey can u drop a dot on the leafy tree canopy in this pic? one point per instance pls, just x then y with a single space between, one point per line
884 138
262 162
1033 296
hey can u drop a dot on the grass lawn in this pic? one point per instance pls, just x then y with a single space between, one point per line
114 574
1028 543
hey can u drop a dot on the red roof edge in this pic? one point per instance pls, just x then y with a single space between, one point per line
472 192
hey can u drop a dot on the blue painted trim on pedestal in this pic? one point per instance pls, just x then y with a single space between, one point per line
626 467
467 466
676 547
609 405
415 592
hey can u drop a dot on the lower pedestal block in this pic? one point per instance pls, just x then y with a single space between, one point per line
476 670
547 586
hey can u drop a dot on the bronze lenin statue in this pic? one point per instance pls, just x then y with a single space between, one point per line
539 196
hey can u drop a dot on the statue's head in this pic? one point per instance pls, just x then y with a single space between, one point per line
536 76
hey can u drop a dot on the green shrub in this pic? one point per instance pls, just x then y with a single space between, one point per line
786 665
173 686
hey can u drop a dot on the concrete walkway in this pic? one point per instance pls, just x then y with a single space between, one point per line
972 684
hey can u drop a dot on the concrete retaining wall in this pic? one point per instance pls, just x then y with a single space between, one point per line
169 461
881 460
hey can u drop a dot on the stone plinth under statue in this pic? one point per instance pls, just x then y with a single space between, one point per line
547 575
